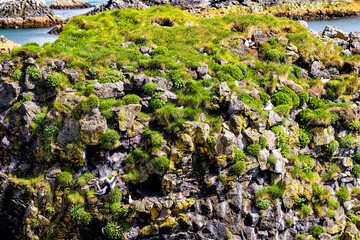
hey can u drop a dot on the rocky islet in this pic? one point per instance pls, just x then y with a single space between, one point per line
26 14
69 4
252 133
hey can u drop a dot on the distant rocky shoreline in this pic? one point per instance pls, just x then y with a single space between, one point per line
27 14
70 4
36 14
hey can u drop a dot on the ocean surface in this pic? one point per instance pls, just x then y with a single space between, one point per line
40 35
346 24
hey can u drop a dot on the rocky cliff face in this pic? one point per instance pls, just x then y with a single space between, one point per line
168 126
69 4
26 14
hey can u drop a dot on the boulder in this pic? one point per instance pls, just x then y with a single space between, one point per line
321 136
235 105
28 111
169 96
280 162
354 36
259 37
316 72
92 127
69 4
9 92
26 14
212 231
294 189
73 75
334 32
224 92
6 45
350 232
126 115
69 99
109 90
202 70
69 132
273 119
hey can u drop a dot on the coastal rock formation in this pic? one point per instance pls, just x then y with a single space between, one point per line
294 9
162 125
141 4
69 4
26 14
6 45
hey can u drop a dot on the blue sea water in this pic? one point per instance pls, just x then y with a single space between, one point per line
40 35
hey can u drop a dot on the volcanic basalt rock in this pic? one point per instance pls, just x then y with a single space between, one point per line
123 4
69 4
26 14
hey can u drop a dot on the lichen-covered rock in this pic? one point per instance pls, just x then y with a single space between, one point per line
294 189
237 123
252 135
150 230
262 158
169 225
69 99
126 115
224 92
235 105
270 139
334 32
92 127
321 136
280 162
350 232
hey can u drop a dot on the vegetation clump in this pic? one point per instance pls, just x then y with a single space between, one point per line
150 88
18 75
54 80
110 138
347 141
263 204
78 213
89 103
64 178
161 163
316 230
34 73
253 149
131 99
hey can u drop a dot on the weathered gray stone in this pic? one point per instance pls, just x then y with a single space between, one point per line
9 92
334 32
235 105
274 119
92 127
109 90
